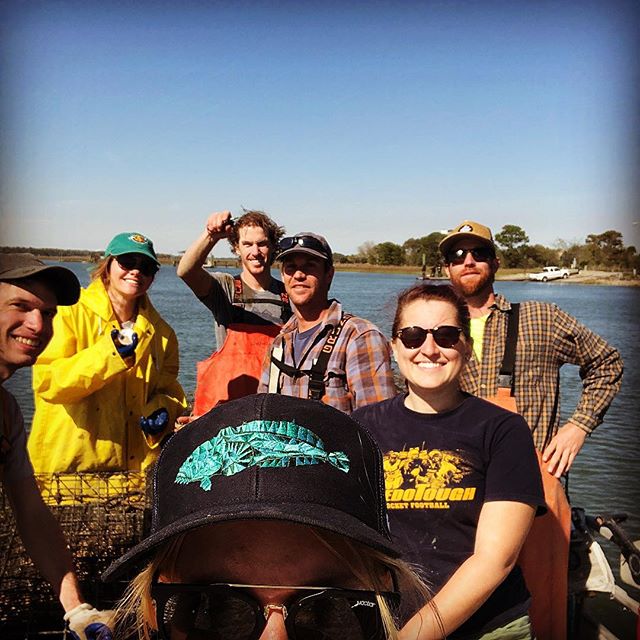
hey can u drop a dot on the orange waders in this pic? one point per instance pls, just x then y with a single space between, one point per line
234 370
544 558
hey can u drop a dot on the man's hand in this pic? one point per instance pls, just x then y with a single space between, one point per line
563 449
219 225
183 421
155 422
85 622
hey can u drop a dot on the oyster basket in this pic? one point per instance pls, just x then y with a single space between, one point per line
102 515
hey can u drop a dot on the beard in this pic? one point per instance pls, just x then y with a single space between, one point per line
472 286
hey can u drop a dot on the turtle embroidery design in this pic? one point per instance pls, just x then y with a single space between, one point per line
262 443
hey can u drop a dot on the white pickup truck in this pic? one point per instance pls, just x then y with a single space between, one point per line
549 273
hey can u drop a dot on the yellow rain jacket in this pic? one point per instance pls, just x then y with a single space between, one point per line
88 401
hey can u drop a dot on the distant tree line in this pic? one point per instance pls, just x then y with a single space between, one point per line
600 251
85 254
604 251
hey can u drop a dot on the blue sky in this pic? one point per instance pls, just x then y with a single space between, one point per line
364 121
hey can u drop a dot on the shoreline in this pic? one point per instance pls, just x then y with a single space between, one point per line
586 277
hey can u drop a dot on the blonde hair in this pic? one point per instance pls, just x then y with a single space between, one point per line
101 270
135 614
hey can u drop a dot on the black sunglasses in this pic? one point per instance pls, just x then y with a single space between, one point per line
228 612
308 242
480 254
446 336
131 261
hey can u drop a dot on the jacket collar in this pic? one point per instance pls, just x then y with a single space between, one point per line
97 299
501 304
331 318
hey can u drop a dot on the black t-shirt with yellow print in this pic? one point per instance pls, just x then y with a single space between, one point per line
439 470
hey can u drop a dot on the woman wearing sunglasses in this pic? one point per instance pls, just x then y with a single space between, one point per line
269 522
461 474
106 387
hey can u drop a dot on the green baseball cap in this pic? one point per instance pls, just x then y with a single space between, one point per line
131 242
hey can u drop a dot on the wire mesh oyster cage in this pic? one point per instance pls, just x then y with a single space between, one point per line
102 515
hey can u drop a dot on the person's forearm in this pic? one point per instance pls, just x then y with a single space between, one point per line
73 378
196 255
601 382
463 594
600 363
502 528
70 594
44 541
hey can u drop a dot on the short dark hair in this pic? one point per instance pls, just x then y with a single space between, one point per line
426 292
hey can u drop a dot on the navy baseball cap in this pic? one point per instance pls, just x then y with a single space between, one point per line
268 457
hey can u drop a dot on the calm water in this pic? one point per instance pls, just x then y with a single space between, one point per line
605 476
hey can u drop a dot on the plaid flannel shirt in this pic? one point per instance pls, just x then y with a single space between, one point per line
547 338
359 369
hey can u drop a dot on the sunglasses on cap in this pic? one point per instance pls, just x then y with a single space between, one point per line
229 612
445 336
133 261
308 242
480 254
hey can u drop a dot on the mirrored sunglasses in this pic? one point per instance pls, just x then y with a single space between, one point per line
133 261
480 254
445 336
229 612
308 242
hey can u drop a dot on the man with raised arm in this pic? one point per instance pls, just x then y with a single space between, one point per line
547 338
248 309
30 292
323 353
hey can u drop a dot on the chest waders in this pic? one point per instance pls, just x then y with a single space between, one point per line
318 369
234 370
544 557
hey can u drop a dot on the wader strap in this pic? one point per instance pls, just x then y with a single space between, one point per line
239 299
506 378
237 290
319 368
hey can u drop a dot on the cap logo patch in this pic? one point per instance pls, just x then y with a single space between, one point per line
136 237
466 228
259 443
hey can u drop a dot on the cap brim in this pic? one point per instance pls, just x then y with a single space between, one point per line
62 281
446 243
299 249
141 252
302 513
